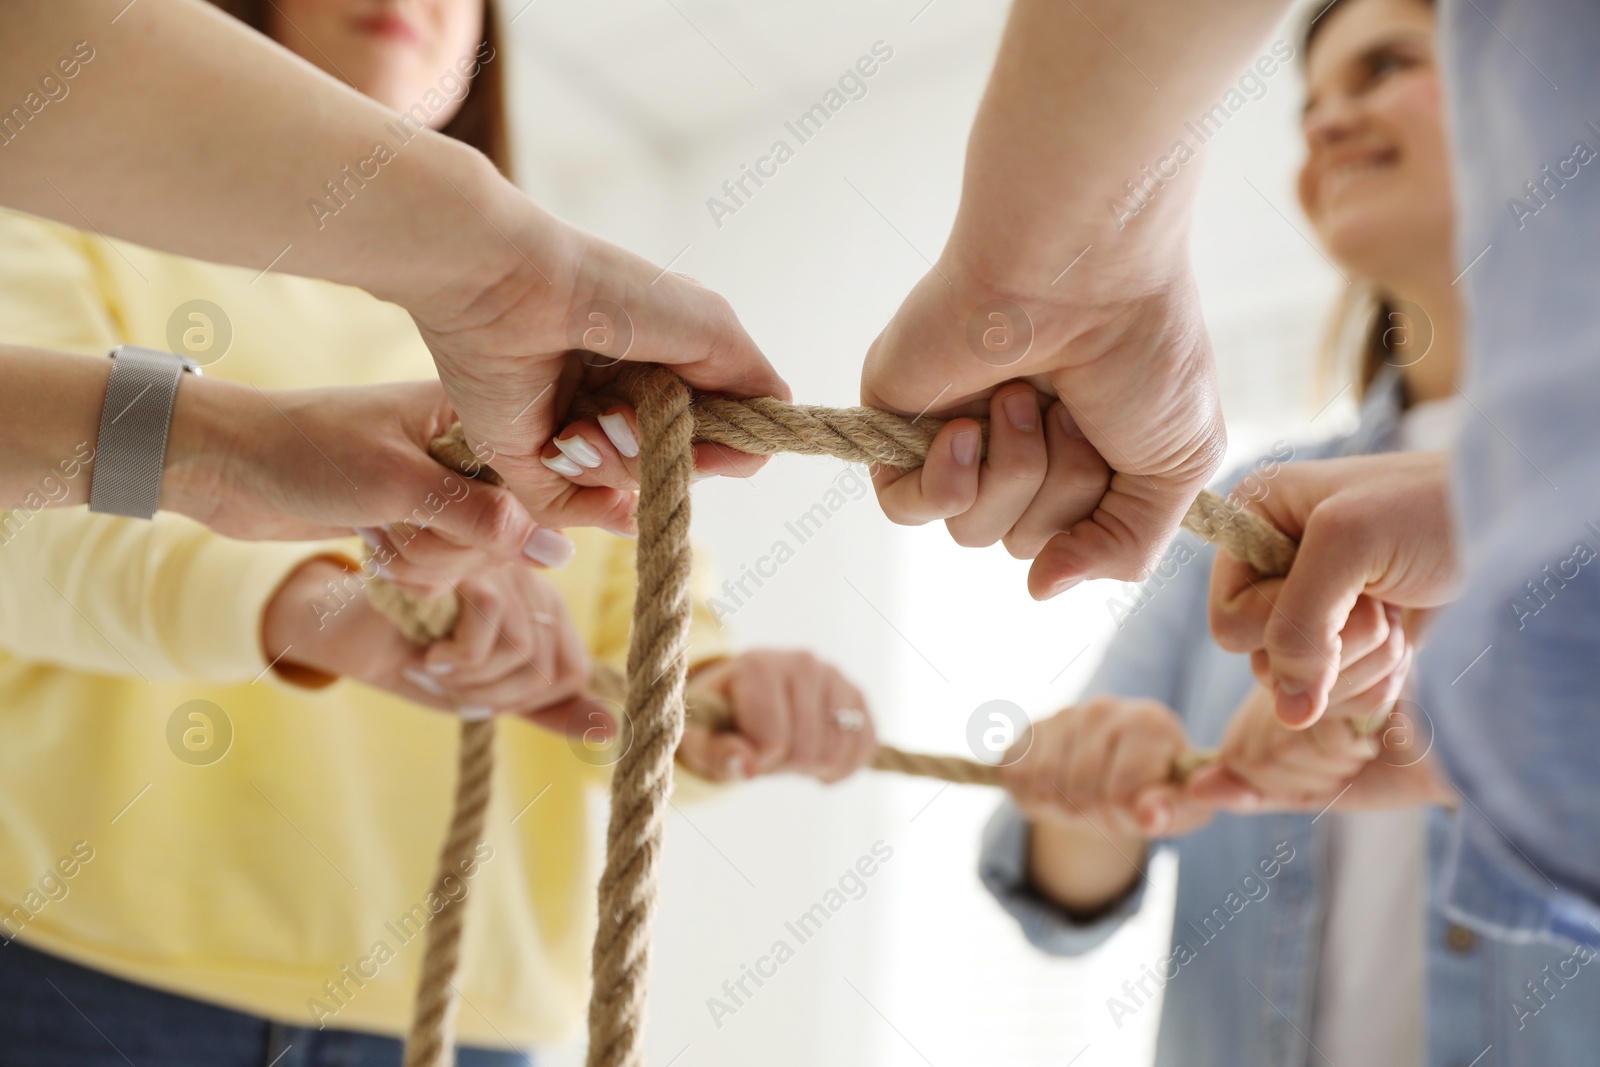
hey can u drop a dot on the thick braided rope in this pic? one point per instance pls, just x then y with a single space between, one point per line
434 1012
657 670
766 427
669 422
431 1042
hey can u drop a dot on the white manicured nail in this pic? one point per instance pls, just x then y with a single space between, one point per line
700 476
423 681
619 432
549 547
579 451
475 712
439 668
562 465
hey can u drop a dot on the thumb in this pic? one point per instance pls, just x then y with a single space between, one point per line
716 755
1219 786
1302 637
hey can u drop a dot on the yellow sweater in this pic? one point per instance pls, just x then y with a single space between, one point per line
288 878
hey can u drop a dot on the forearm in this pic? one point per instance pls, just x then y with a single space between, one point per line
188 132
50 411
1081 869
51 408
1073 111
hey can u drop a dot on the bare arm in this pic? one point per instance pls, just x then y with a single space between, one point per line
185 131
1084 95
1102 310
257 465
50 411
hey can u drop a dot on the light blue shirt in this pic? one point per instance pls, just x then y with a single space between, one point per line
1253 891
1511 673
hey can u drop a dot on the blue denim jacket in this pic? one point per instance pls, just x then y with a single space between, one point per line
1511 674
1250 898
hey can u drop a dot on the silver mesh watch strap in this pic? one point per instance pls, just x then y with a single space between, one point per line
132 448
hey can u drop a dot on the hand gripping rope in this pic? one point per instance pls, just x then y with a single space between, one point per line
670 421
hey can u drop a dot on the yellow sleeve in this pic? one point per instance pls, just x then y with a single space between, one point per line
162 599
52 292
707 639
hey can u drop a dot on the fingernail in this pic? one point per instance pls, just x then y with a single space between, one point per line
700 476
475 712
384 573
734 768
620 433
1022 411
549 547
964 446
439 668
562 466
1057 590
369 535
423 681
1294 705
579 451
1065 420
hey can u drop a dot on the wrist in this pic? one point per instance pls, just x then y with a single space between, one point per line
1087 260
492 244
295 623
1080 869
205 458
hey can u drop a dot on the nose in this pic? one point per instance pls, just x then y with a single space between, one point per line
1333 120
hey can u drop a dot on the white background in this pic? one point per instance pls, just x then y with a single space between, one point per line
629 115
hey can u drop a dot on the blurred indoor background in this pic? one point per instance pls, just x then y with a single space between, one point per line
630 115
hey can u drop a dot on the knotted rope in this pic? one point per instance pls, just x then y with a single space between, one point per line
670 420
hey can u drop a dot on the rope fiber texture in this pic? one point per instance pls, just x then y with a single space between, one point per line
670 420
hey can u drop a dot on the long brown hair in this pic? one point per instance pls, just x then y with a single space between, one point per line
481 121
1361 336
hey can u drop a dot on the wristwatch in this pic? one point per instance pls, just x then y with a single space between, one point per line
134 425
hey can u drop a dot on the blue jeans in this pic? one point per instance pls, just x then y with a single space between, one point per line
57 1014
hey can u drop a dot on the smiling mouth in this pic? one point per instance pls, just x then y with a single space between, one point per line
1346 173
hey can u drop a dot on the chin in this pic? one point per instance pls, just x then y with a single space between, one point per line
1375 243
